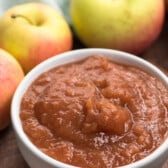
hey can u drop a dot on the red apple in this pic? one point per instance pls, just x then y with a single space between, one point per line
33 32
11 74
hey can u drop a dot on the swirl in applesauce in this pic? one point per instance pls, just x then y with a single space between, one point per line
96 113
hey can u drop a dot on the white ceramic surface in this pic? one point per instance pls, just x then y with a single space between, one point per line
34 157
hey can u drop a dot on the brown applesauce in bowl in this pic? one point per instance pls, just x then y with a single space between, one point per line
96 113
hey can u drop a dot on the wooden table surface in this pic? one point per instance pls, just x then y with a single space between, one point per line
10 156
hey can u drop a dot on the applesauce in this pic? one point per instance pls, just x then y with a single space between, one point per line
96 113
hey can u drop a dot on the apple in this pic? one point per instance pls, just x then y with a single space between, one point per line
33 32
128 25
11 73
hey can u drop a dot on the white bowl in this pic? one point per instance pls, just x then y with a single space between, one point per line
34 157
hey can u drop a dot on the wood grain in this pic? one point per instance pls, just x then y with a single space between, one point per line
157 53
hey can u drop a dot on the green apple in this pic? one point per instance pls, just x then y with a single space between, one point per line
11 73
33 32
128 25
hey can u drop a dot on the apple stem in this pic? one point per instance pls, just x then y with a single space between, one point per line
14 16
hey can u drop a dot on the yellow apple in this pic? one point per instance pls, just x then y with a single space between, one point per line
11 74
33 32
128 25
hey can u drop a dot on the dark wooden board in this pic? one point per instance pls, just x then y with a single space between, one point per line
157 53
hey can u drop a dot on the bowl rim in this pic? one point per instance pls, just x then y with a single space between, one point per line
70 56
